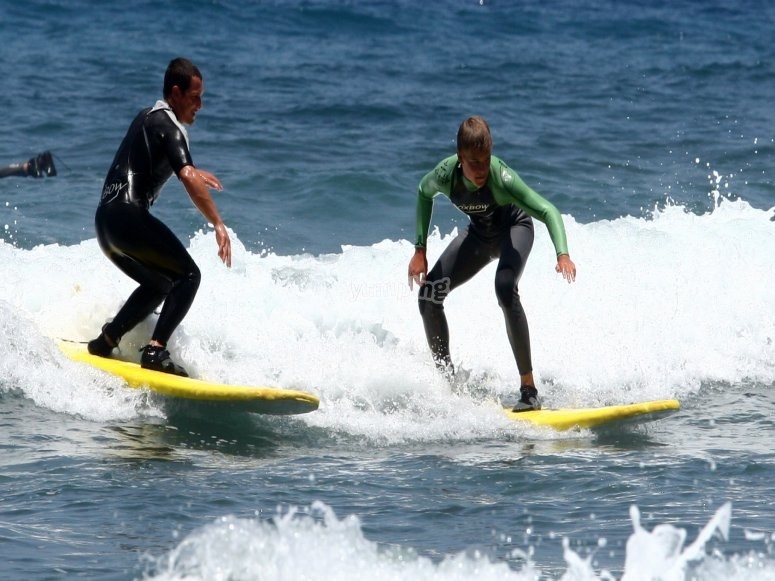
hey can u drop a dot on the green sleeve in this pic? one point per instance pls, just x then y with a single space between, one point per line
509 188
436 181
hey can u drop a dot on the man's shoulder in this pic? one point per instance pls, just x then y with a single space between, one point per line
160 125
502 174
156 117
142 115
442 173
498 164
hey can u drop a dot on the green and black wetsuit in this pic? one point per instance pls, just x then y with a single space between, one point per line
501 227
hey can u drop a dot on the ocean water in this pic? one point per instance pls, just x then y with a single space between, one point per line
650 127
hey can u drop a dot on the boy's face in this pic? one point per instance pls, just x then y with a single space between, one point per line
476 165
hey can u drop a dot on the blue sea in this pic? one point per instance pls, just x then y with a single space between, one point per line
648 124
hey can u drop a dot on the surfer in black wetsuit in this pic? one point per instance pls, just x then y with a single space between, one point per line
501 207
36 167
155 147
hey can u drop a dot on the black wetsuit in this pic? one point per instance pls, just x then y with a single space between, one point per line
139 244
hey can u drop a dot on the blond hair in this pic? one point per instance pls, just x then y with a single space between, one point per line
474 135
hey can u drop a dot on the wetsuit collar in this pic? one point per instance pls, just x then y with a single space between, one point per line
162 104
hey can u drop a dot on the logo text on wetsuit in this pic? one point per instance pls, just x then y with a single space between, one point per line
441 172
435 291
473 208
112 190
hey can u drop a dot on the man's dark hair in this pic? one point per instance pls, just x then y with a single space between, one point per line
179 72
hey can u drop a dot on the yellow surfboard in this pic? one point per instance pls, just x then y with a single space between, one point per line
565 419
262 400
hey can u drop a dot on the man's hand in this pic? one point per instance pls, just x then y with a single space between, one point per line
198 183
224 244
566 268
210 180
418 267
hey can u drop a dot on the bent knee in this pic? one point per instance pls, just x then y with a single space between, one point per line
506 288
194 275
190 277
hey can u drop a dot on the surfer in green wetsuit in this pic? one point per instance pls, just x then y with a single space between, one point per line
500 207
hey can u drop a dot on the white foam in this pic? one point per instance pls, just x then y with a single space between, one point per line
314 544
33 366
660 306
297 546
